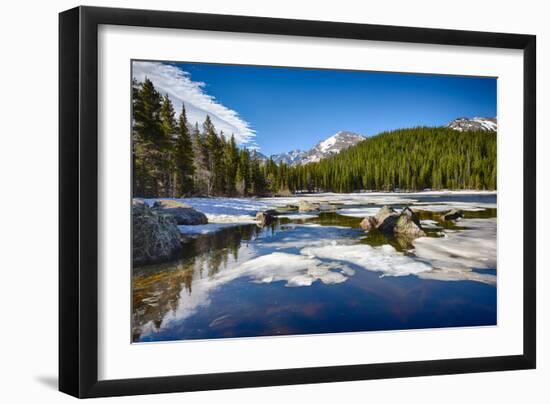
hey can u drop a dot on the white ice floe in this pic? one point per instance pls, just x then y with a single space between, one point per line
225 206
459 253
358 212
383 259
445 206
236 219
298 216
430 224
344 199
328 227
294 269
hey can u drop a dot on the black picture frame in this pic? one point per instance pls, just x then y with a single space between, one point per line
78 201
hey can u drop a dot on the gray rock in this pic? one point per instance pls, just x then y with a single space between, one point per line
182 213
391 222
382 219
155 236
266 217
453 214
407 224
305 206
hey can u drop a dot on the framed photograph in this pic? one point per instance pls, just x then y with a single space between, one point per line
251 201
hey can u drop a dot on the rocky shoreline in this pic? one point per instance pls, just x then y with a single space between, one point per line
157 238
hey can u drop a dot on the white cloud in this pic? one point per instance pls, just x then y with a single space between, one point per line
169 79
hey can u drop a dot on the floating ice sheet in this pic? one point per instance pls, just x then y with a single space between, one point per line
456 255
358 212
298 216
384 259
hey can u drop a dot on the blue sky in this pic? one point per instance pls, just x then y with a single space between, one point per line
281 109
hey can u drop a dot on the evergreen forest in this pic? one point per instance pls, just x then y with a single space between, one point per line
172 158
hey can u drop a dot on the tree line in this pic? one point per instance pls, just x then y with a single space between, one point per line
406 159
172 158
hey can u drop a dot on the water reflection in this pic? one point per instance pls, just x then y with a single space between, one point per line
245 281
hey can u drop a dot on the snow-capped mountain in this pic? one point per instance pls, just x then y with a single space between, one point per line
291 158
475 124
328 147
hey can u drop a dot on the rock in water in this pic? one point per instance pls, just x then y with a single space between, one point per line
155 236
368 223
391 222
453 214
383 219
266 217
306 206
408 225
182 213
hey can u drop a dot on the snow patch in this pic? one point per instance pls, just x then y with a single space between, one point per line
383 259
298 216
459 253
358 212
295 270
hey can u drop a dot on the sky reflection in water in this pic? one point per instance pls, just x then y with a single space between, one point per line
245 281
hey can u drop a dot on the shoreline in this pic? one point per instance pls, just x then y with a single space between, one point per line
313 194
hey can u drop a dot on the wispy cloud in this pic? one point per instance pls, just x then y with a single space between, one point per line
179 86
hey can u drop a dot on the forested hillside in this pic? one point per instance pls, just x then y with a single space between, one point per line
172 159
408 159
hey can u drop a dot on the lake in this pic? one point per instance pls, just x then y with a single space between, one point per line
313 273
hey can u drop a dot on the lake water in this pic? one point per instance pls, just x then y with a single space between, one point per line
321 273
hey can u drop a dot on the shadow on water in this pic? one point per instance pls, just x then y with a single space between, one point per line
243 308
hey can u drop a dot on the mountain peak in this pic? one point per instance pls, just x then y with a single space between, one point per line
325 148
476 123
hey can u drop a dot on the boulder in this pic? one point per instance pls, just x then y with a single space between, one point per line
407 224
391 222
453 214
155 236
305 206
266 217
182 213
381 220
369 223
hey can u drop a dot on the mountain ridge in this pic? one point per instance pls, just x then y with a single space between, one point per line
477 123
325 148
342 140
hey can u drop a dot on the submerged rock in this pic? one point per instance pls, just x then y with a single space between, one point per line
452 214
390 222
266 217
155 236
305 206
182 213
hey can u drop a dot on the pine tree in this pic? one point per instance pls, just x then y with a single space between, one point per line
166 144
231 158
243 173
184 157
215 156
147 136
201 177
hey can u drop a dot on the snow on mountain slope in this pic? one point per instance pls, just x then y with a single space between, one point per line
474 124
328 147
291 158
